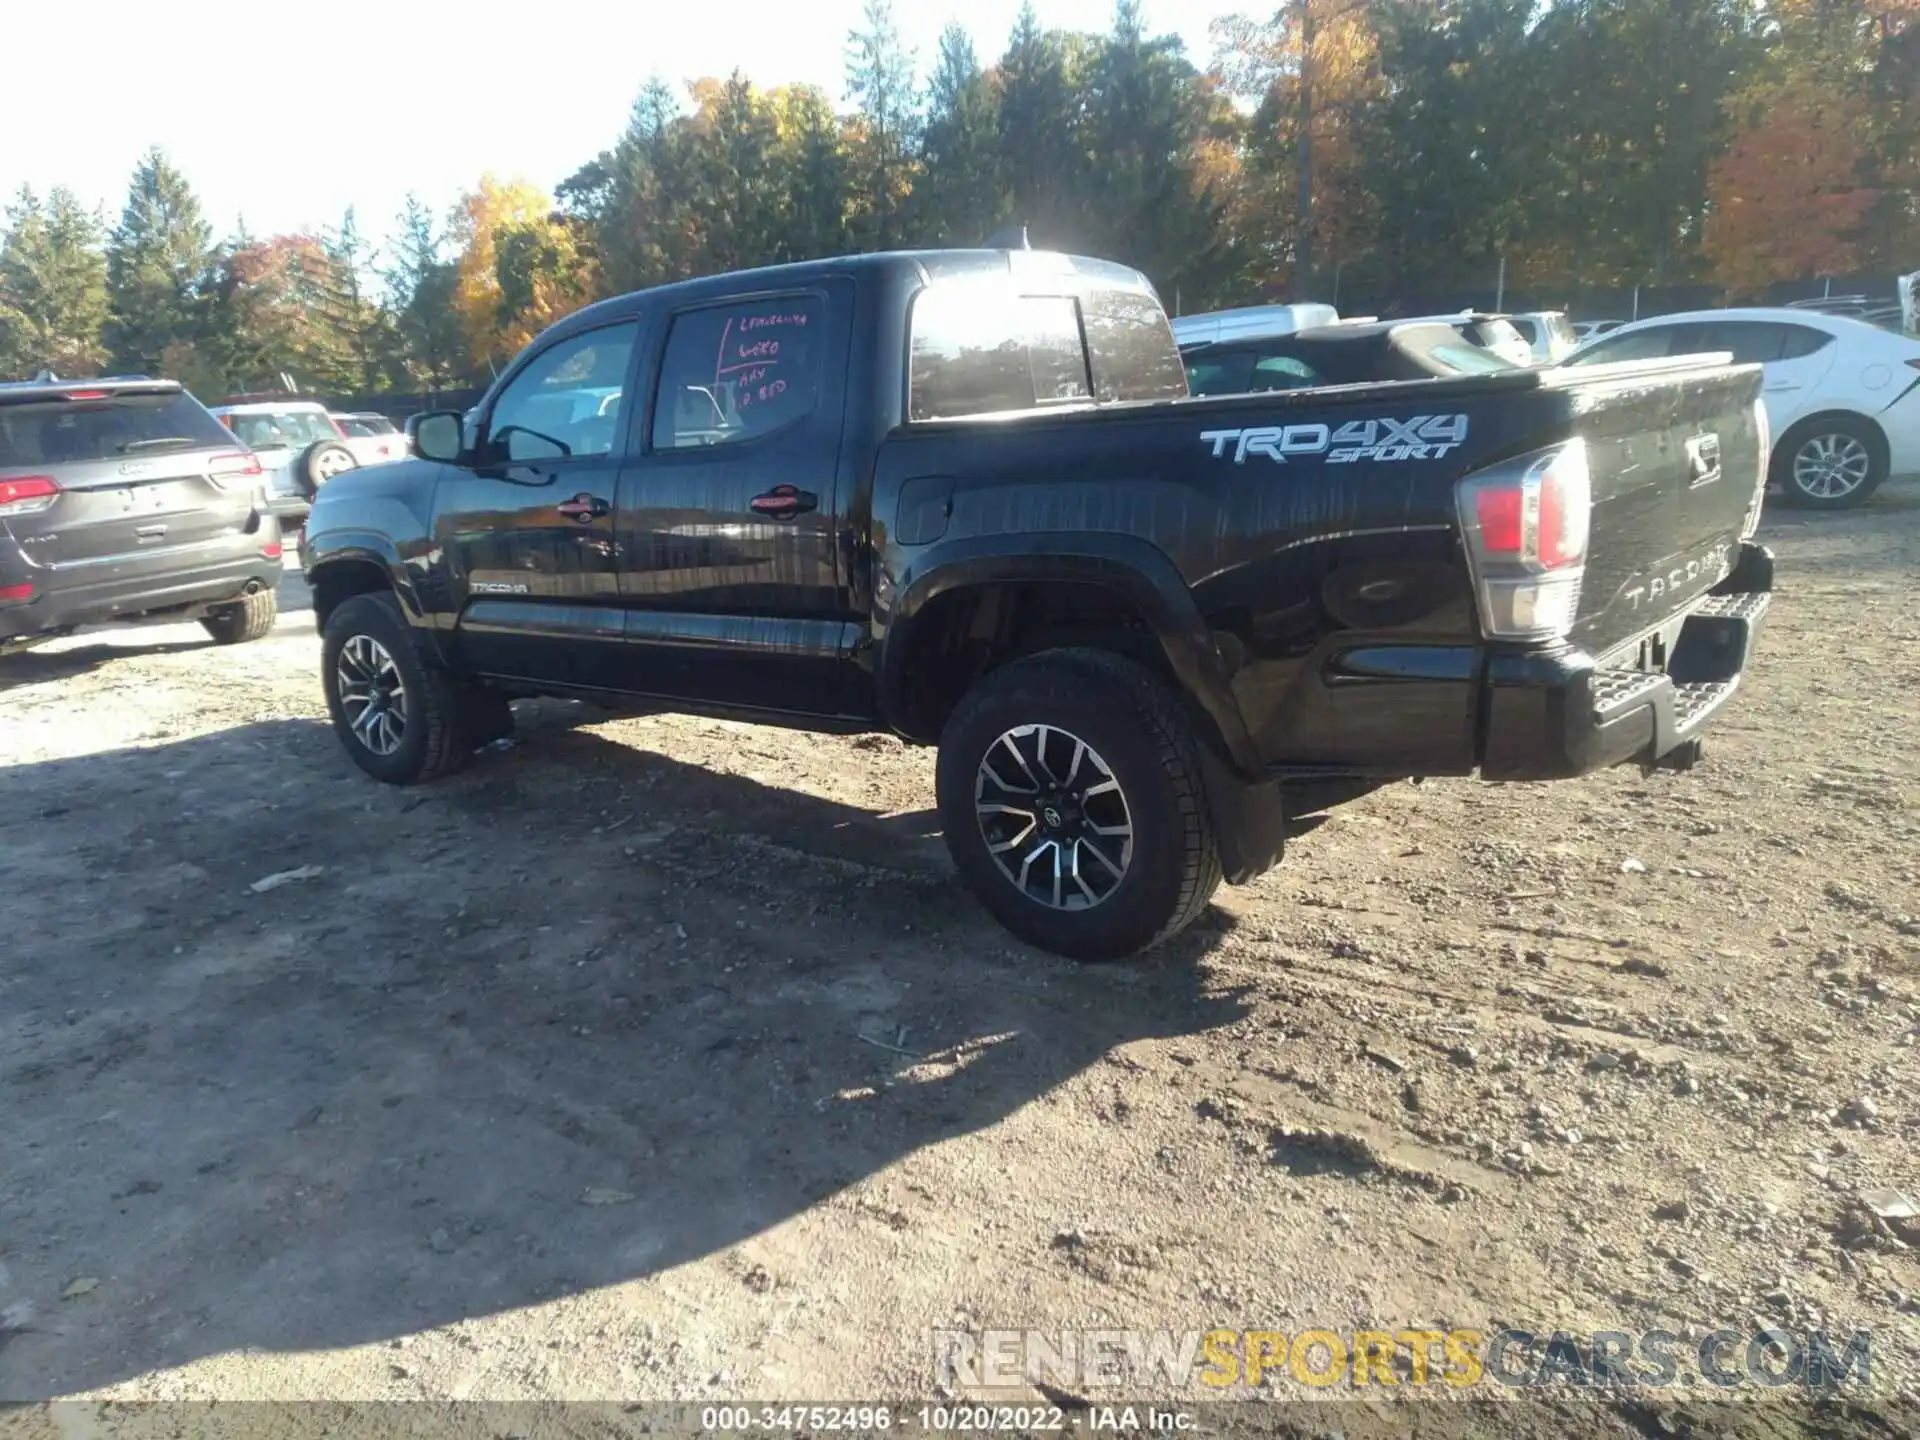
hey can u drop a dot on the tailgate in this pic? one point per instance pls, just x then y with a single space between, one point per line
110 508
1676 453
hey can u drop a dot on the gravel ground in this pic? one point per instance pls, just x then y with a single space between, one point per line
664 1058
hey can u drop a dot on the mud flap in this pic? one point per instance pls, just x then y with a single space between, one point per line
1249 820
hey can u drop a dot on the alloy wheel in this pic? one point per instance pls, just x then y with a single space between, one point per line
373 697
1829 467
1053 816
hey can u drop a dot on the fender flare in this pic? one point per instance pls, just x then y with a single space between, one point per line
337 547
1131 567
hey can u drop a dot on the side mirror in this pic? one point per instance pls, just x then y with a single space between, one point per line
436 435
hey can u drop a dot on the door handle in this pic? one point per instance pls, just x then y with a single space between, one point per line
584 507
783 502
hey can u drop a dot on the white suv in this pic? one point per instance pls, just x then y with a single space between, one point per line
299 446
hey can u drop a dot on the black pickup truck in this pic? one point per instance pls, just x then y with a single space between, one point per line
964 497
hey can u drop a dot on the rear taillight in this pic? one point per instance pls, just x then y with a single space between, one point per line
271 549
84 395
27 494
1525 524
16 592
234 470
337 428
1763 436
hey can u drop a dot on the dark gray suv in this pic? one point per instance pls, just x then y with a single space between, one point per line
125 498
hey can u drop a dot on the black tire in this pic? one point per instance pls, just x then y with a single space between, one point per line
1833 437
434 738
323 459
1134 726
250 617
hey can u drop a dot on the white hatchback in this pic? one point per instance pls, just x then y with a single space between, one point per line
1842 396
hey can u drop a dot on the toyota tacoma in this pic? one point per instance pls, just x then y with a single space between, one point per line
964 497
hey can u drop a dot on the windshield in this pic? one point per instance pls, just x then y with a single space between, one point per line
295 429
365 424
48 432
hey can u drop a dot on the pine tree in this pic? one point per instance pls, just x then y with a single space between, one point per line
960 198
641 230
53 287
420 296
156 261
365 330
1039 133
816 168
880 79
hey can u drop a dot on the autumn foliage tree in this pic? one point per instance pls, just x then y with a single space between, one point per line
1806 165
521 267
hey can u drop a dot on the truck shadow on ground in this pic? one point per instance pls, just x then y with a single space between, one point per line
502 1049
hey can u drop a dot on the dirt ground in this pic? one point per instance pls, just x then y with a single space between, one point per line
665 1058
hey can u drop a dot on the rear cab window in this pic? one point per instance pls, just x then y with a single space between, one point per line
54 431
988 345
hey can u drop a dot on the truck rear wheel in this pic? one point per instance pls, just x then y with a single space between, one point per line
1070 793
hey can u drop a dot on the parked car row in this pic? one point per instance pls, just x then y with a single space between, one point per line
1842 395
126 498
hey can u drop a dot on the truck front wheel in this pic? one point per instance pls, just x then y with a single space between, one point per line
398 714
1071 798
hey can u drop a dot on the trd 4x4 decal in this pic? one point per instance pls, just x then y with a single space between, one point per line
1424 437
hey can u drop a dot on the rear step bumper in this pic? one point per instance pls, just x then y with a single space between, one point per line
1553 714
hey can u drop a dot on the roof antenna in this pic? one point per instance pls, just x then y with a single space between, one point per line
1012 236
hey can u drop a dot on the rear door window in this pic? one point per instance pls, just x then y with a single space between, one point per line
1801 341
1653 343
736 372
1751 342
982 350
52 432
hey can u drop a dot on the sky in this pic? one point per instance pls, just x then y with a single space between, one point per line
286 114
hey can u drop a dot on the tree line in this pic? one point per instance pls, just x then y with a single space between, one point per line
1379 147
